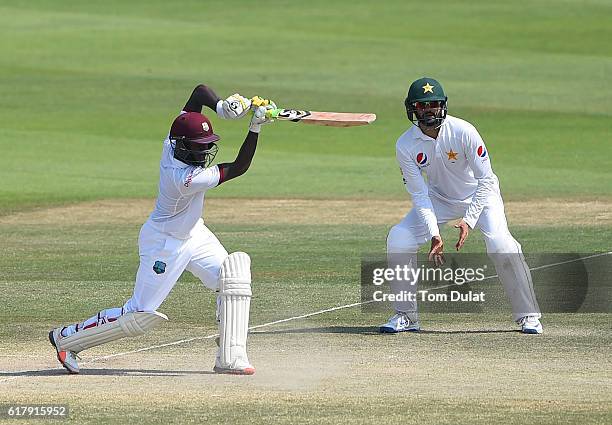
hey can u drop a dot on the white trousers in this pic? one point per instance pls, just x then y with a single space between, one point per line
407 236
162 261
164 258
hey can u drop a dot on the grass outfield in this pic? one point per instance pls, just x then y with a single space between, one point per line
88 93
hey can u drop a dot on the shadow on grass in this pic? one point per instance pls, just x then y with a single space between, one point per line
362 330
373 330
108 372
473 331
145 372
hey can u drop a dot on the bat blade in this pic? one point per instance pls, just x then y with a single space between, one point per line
332 119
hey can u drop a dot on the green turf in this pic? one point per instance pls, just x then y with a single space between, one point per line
88 92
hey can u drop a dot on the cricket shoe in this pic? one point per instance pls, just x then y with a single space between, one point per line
530 325
239 369
68 359
400 323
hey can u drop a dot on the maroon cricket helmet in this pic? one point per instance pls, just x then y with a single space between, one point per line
193 139
194 127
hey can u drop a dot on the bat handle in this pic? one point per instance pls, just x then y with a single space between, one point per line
273 113
270 113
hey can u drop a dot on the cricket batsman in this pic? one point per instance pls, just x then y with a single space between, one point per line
460 185
175 239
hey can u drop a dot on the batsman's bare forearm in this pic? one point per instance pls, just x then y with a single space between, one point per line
243 160
201 96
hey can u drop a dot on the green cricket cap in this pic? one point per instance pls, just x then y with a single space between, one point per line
425 89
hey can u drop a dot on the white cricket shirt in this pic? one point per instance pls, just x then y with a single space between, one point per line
180 202
456 165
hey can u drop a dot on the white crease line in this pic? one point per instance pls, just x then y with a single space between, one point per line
303 316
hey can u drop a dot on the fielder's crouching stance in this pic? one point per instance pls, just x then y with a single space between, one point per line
460 184
175 239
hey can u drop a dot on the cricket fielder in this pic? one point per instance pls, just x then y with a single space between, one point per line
175 239
460 184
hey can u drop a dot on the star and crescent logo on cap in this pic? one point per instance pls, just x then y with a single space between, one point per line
428 88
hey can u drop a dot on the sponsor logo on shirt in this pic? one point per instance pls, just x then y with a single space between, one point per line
482 152
421 159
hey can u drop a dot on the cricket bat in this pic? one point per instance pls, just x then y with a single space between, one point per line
332 119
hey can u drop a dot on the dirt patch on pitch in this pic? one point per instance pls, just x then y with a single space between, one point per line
542 212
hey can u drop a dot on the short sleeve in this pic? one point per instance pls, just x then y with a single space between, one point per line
198 179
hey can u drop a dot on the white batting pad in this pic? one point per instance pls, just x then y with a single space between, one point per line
129 324
235 294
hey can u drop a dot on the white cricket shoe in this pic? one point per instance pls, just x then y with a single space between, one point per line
68 359
400 323
530 325
240 366
244 368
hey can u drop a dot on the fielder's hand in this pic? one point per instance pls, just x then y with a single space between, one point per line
259 118
234 107
464 231
436 253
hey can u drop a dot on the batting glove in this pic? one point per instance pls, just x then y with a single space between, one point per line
259 101
259 118
234 107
